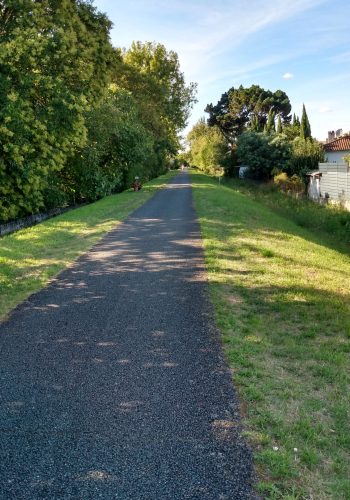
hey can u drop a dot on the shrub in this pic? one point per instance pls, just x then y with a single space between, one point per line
291 185
208 148
306 154
262 153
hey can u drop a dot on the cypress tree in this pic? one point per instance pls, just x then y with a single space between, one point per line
279 129
254 124
270 125
305 128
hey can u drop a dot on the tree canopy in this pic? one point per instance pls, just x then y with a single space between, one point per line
256 128
153 76
242 109
208 148
78 117
55 60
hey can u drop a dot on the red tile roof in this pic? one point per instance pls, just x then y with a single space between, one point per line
340 144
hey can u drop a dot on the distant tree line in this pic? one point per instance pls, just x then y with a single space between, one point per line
254 127
78 117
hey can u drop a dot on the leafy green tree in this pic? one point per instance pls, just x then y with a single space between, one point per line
55 61
152 74
118 148
239 109
262 154
208 148
292 130
306 154
305 128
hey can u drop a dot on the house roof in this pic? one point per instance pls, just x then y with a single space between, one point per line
340 144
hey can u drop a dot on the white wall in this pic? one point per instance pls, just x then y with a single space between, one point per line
336 156
335 181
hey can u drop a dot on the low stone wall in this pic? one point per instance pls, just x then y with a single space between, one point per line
31 220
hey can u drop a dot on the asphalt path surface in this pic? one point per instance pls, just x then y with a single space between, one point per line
113 381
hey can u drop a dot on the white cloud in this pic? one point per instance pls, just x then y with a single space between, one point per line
215 29
325 109
288 76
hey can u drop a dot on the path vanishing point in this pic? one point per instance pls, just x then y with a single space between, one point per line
113 381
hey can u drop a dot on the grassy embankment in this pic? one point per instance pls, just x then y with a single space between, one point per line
281 295
31 257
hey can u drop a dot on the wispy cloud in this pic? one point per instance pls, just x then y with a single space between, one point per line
228 42
224 26
246 70
325 109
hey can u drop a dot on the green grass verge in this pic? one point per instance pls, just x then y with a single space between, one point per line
330 220
281 296
31 257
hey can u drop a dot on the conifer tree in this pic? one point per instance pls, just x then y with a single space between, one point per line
279 129
270 125
254 124
305 128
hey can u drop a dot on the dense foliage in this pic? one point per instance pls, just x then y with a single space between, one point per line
118 148
256 127
164 101
54 63
208 148
306 155
244 109
66 133
262 153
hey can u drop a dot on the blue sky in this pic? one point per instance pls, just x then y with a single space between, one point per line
299 46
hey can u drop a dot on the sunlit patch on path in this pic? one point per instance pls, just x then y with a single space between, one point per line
113 381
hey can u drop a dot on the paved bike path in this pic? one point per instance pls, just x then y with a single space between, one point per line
113 383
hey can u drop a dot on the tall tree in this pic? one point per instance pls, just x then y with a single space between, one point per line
160 76
152 75
270 124
262 153
305 128
118 148
254 124
207 148
238 108
279 128
55 62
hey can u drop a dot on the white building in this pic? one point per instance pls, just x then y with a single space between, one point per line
331 183
337 149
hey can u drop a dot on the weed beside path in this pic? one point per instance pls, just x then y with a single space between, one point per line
282 303
31 257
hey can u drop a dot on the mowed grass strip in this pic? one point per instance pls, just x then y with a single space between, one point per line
31 257
281 297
